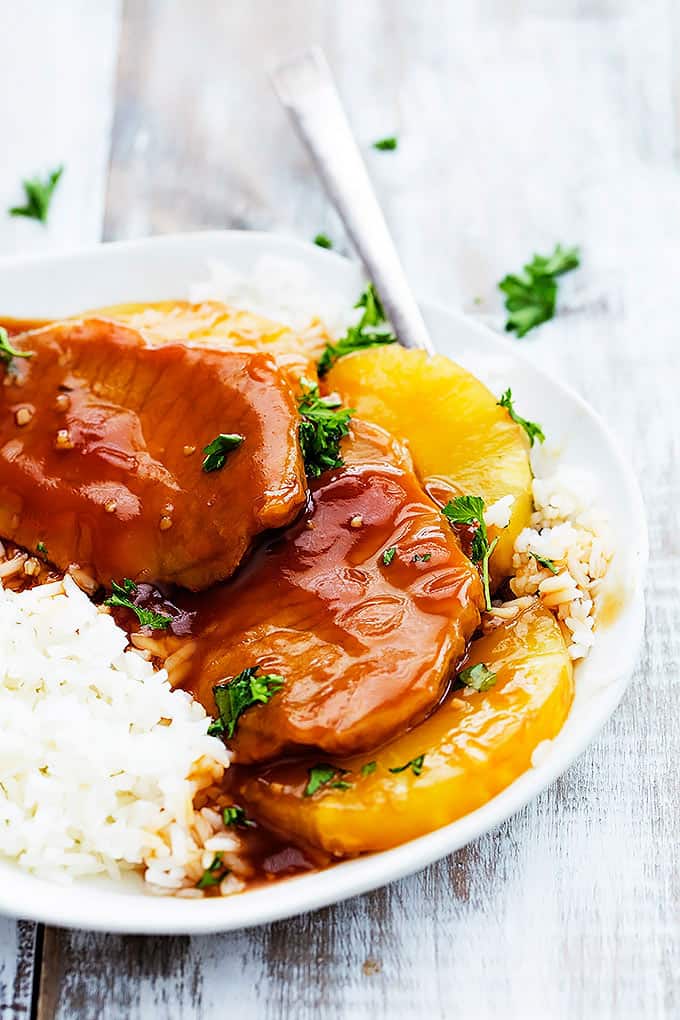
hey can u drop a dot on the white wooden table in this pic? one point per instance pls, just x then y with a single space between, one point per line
521 123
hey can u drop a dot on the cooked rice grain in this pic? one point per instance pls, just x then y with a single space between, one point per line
101 763
564 530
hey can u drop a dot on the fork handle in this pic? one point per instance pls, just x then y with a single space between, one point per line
305 86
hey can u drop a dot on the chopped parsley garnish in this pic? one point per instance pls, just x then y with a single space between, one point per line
470 510
386 144
216 452
545 562
371 330
234 696
41 548
38 196
7 351
530 298
421 558
415 765
389 555
322 427
369 768
214 874
234 815
322 774
323 241
532 428
147 617
478 677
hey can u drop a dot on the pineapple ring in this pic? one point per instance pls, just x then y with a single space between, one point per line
461 440
472 747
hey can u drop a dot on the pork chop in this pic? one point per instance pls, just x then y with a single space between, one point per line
363 607
102 459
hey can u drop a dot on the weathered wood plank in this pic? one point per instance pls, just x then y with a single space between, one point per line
17 952
58 63
520 124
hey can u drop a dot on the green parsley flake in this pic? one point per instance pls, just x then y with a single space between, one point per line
7 351
214 874
321 429
389 555
38 196
531 298
216 452
532 428
233 697
41 548
470 510
545 562
415 765
369 768
322 774
147 617
421 558
479 677
386 144
234 815
372 330
323 241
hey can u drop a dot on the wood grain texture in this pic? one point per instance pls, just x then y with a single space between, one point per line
58 64
520 124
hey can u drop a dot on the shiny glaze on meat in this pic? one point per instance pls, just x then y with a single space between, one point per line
365 647
101 439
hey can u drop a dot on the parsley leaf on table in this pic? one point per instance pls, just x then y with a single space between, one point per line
38 196
530 297
386 144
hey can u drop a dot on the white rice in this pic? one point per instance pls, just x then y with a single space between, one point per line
100 760
566 530
295 299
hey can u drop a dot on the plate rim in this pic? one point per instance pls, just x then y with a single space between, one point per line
53 903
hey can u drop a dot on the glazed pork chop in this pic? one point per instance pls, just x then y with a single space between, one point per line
363 608
102 458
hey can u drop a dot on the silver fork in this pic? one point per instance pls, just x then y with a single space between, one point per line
305 86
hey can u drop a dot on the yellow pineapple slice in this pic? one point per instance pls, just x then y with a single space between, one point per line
461 440
470 749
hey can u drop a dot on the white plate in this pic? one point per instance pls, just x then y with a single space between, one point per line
164 268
